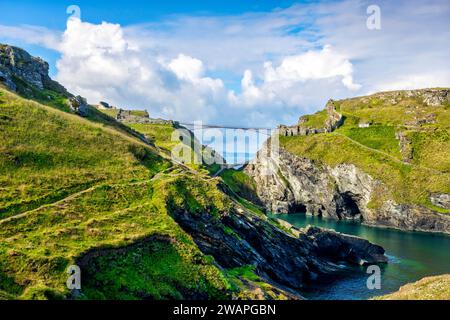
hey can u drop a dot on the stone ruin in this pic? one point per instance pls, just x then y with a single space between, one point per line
334 120
130 116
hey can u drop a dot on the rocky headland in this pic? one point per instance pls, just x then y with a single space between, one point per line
362 180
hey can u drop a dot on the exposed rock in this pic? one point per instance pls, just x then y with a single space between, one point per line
441 200
78 105
419 121
430 97
6 79
16 63
405 145
334 120
435 97
131 116
342 247
142 117
288 183
290 259
104 105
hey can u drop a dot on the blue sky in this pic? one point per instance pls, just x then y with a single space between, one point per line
250 63
52 13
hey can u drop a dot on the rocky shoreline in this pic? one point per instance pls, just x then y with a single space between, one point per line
282 255
288 183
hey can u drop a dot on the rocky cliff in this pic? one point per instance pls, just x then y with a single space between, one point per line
281 253
340 175
17 65
138 224
291 184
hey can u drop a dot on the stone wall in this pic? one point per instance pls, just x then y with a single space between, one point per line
127 116
334 121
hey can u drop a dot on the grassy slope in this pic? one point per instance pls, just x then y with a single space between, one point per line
160 134
91 187
430 169
165 138
316 120
429 288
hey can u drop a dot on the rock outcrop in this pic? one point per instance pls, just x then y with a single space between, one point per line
141 117
292 258
288 183
78 105
18 65
430 96
333 121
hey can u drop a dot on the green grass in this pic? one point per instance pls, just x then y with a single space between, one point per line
46 155
48 97
429 170
159 134
379 137
429 288
139 113
239 182
108 219
110 112
406 184
316 120
96 188
165 137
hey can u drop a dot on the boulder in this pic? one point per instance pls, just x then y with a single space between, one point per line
78 105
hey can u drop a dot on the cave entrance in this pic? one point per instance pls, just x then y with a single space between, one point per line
347 207
297 208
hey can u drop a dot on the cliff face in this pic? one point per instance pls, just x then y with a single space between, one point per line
138 224
289 184
285 256
393 172
18 65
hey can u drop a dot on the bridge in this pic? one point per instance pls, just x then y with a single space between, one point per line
215 126
267 131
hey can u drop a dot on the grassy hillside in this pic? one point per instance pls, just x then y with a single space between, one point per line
47 154
81 191
429 288
160 134
376 149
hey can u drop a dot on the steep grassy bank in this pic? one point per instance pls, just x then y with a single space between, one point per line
71 186
429 288
87 191
412 167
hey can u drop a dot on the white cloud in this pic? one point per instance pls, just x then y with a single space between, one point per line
33 35
415 81
98 62
187 68
259 68
322 64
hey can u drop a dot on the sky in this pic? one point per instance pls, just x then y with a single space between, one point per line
227 62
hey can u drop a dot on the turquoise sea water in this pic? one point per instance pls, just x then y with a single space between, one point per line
412 255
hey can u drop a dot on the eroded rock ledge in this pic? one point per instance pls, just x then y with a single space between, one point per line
288 257
289 183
